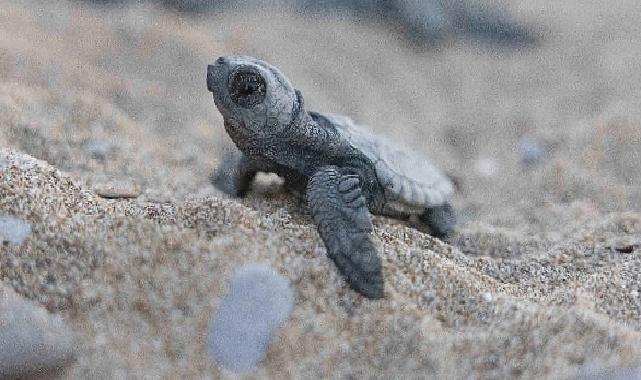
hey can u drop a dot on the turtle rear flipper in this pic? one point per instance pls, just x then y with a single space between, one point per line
344 223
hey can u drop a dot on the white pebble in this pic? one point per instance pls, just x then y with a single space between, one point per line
259 301
13 230
487 297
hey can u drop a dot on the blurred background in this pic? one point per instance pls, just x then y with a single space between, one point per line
534 106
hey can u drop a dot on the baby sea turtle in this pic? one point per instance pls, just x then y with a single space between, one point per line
344 171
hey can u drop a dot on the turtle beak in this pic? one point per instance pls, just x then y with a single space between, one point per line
215 72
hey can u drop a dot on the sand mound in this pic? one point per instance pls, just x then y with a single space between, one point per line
150 274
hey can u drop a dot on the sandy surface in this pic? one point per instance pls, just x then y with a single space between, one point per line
541 281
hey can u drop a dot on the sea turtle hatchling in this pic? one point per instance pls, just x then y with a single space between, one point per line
344 171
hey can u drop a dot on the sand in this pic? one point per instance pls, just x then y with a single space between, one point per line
540 281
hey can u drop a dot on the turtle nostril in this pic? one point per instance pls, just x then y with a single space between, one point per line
221 60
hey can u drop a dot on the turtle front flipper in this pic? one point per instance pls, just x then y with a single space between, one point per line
234 174
344 223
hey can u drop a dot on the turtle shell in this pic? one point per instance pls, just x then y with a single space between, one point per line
407 177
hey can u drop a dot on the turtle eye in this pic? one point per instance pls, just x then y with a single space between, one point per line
247 88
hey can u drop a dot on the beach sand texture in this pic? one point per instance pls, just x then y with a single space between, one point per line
542 279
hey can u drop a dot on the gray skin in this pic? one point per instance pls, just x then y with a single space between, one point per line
344 172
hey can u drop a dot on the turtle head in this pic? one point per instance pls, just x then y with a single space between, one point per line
252 93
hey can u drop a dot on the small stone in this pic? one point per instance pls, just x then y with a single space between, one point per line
13 230
532 151
625 248
118 189
624 245
487 297
33 343
260 300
